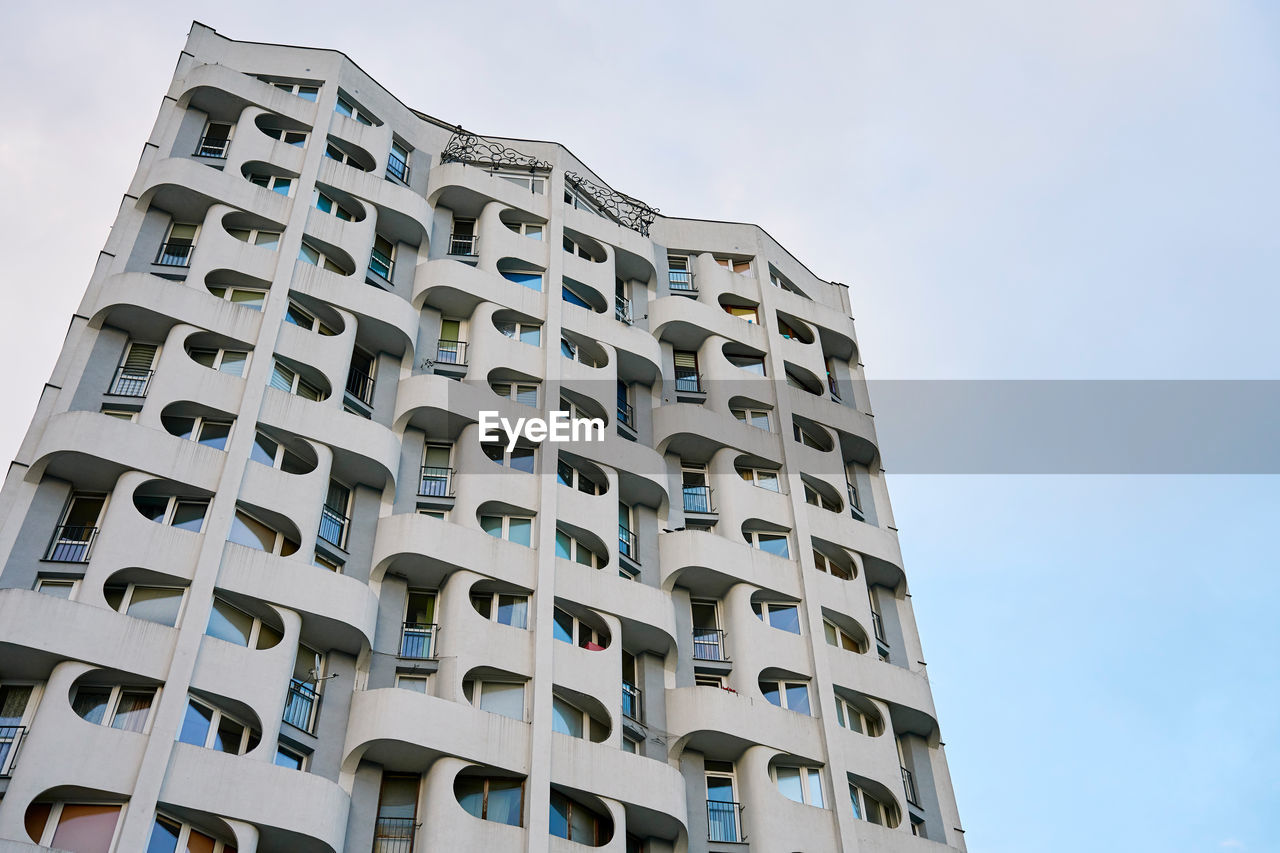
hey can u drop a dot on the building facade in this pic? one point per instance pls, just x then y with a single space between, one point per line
263 586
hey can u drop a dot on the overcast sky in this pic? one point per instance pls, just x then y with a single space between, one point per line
1016 189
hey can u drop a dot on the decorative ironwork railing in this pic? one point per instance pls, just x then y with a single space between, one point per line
623 209
465 147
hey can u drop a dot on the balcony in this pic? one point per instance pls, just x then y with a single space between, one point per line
724 821
627 543
451 352
130 382
622 309
632 702
333 527
360 386
708 645
626 415
397 168
681 281
689 386
394 835
175 254
301 706
10 741
909 787
71 544
463 244
418 640
435 482
698 499
213 147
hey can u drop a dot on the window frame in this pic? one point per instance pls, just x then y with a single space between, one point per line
764 611
54 819
754 477
171 509
506 527
516 389
185 830
385 259
749 417
277 548
281 134
112 708
753 538
536 184
296 382
477 695
296 89
577 548
809 777
314 324
229 292
784 686
255 627
254 237
354 110
494 606
532 230
126 599
274 183
219 358
215 718
335 208
323 260
847 712
51 581
516 330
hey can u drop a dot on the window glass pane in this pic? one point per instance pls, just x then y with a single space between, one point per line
582 826
469 791
251 533
531 335
264 450
155 604
767 480
189 515
132 711
771 692
798 698
164 836
504 801
91 703
565 718
268 636
151 506
58 589
181 427
269 239
513 610
853 796
573 299
564 545
520 530
789 783
229 623
195 724
785 617
86 829
286 758
492 524
215 435
233 363
531 280
559 815
773 544
815 787
522 459
228 737
198 842
504 699
563 623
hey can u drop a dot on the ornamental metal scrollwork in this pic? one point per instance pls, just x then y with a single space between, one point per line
628 211
476 150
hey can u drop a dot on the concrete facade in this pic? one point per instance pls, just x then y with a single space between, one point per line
263 588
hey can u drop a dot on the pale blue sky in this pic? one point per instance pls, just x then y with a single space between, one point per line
1012 190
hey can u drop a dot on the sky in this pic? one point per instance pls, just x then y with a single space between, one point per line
1012 190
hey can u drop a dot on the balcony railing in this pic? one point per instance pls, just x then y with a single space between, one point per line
697 499
877 625
333 527
632 702
301 706
681 281
360 385
71 544
418 640
463 244
626 542
622 309
909 787
130 382
10 741
451 352
175 254
708 644
724 821
397 168
381 265
626 414
435 482
688 380
394 835
213 146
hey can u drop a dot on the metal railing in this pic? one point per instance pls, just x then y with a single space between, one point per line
418 640
71 544
632 702
175 254
626 414
688 380
909 787
463 244
877 626
213 146
130 382
360 386
301 705
681 281
451 352
708 644
334 526
381 266
622 309
698 499
626 542
435 482
397 168
394 835
10 740
724 821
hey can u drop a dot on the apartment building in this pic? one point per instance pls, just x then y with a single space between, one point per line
263 586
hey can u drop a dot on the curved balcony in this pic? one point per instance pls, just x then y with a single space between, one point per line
695 557
688 427
373 443
441 547
310 811
842 529
465 287
250 90
57 733
392 725
637 343
634 780
142 292
880 680
697 716
455 185
705 320
214 185
647 614
386 321
608 232
855 430
39 625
